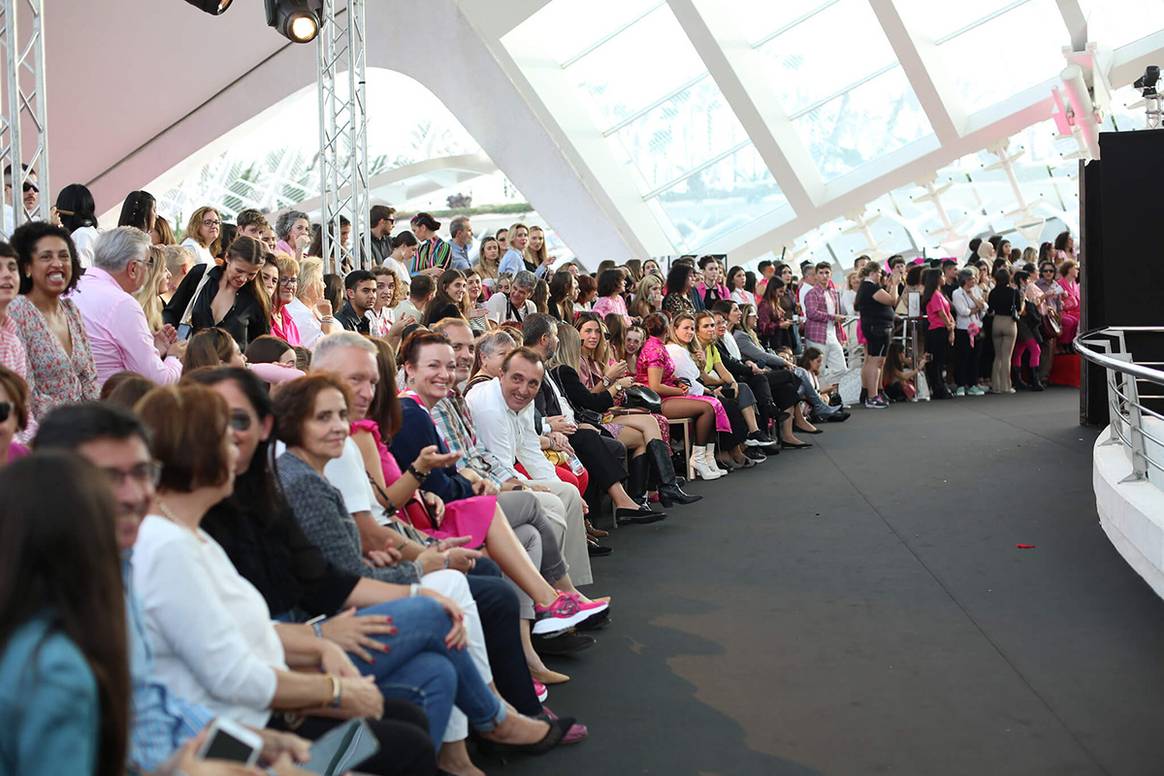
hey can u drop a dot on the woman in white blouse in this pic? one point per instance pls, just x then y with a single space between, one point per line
202 233
969 307
312 313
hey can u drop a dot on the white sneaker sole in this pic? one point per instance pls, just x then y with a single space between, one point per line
558 624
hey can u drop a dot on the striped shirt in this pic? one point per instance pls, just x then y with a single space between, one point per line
431 253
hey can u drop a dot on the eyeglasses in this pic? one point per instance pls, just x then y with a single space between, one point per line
288 282
211 222
239 420
145 474
1045 270
5 410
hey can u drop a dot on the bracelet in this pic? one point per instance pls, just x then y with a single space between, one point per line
413 590
318 628
337 692
415 473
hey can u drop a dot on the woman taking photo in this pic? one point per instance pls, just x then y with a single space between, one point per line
228 297
60 364
1005 305
875 306
648 296
64 662
202 234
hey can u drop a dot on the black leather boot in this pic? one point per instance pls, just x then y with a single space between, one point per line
669 491
1016 379
636 482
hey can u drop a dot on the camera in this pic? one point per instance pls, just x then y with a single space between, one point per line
1147 82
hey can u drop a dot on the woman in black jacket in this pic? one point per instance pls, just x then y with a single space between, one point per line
447 302
648 455
227 296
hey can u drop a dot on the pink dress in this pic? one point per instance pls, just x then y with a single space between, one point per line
612 304
1070 313
654 354
466 517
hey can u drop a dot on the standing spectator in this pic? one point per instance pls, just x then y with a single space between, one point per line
60 363
30 196
514 259
282 321
140 210
823 328
875 306
679 284
433 254
502 237
968 308
488 260
461 234
294 232
64 664
119 334
226 296
157 280
76 210
12 355
203 233
382 220
517 304
940 331
250 223
537 258
360 294
1005 305
1064 247
1069 299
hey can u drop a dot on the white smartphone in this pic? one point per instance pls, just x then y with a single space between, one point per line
231 741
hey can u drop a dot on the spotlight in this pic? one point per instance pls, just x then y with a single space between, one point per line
212 7
1147 82
293 19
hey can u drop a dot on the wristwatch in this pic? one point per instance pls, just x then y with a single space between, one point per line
606 382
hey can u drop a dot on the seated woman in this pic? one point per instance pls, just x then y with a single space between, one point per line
13 415
64 662
449 298
681 397
738 399
590 381
230 297
215 347
611 287
453 505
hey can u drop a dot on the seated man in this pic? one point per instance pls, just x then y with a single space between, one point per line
515 305
604 457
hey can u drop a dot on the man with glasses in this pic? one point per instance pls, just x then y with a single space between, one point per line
114 440
30 196
383 219
119 334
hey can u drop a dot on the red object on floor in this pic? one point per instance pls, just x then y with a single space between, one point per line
1025 546
1065 370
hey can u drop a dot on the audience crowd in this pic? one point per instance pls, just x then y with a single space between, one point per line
239 485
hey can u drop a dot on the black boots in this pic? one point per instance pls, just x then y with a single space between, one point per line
669 491
1016 379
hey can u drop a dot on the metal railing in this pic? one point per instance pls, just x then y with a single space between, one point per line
1139 428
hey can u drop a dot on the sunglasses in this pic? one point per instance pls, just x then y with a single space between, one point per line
5 410
239 420
27 187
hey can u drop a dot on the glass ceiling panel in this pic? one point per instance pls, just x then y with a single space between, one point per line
1114 23
728 194
764 18
935 21
635 68
806 71
986 64
860 125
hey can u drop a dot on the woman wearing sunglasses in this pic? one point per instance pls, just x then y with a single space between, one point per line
13 415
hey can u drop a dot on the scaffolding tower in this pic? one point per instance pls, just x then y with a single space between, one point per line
22 41
343 132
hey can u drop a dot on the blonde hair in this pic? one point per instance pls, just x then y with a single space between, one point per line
539 258
569 352
310 275
194 226
149 295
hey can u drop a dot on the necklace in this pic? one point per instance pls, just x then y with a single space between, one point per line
169 515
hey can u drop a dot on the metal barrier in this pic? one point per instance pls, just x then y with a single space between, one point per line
1138 428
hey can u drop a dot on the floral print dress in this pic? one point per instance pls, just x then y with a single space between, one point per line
54 376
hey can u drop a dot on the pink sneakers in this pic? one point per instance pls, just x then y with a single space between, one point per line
566 611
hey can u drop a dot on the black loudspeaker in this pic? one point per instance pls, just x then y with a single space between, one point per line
1123 272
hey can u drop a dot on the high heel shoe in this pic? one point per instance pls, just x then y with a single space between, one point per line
558 729
549 677
701 467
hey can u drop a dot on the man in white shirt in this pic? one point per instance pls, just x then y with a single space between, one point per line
517 305
119 334
420 293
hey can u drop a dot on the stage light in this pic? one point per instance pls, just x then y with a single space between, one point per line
212 7
293 19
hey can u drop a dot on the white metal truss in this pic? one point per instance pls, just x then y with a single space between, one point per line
22 40
343 131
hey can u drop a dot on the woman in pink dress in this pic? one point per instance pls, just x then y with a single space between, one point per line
1069 281
655 369
611 285
282 324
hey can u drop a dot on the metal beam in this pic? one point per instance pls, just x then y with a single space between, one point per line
1076 22
343 133
22 39
770 130
913 64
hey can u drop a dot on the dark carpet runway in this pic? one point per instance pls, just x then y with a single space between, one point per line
861 608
